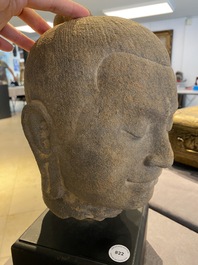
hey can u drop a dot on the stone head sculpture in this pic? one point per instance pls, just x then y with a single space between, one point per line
100 98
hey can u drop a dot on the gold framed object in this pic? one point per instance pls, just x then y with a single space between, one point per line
166 37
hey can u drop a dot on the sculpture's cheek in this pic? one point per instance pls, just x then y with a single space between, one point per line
98 171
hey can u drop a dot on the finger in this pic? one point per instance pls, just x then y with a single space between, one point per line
5 45
10 33
60 7
34 20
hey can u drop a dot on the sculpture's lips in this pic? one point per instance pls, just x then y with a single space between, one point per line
154 181
152 177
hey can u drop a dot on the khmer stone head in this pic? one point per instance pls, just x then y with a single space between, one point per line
100 97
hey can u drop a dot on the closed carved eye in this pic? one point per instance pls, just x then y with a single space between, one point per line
134 135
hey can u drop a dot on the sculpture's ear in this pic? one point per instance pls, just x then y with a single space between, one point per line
37 126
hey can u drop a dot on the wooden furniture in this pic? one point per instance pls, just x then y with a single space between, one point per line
184 136
182 93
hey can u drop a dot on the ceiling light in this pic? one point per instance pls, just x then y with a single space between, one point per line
28 29
142 10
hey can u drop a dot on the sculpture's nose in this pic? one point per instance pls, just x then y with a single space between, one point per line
161 154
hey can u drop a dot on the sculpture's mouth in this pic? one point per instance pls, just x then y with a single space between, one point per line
152 181
150 178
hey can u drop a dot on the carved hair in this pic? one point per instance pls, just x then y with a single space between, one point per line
65 60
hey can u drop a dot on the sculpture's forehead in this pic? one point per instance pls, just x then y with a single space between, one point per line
134 83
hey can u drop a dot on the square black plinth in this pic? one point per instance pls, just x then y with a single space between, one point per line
53 241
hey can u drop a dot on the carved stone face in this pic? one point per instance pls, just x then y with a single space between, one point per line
121 144
98 119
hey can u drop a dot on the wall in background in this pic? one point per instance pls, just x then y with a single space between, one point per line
184 49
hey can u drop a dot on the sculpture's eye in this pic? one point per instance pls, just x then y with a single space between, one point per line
134 135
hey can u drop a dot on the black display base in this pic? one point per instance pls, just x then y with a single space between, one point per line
53 241
4 102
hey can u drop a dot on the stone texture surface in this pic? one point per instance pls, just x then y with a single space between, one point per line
100 99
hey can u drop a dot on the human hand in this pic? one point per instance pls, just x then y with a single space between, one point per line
24 9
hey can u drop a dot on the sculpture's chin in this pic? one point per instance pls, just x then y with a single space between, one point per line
78 210
69 205
134 196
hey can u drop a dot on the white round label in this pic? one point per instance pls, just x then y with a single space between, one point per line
119 253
